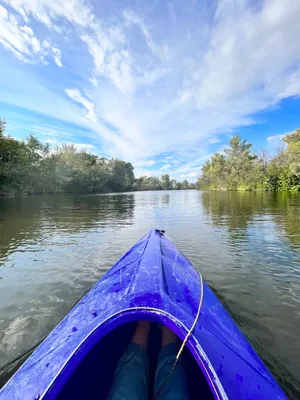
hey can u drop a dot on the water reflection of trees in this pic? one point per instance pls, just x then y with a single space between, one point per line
31 219
165 199
237 210
233 209
286 213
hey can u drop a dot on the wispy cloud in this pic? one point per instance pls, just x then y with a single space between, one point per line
145 163
111 57
166 166
49 12
132 17
214 140
275 138
75 95
23 43
193 174
56 53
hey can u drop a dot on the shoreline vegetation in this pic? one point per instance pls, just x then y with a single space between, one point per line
31 167
238 168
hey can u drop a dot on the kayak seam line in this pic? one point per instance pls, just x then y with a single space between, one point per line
138 266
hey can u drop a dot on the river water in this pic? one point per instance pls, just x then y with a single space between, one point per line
247 246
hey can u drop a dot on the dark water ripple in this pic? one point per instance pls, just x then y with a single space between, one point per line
247 245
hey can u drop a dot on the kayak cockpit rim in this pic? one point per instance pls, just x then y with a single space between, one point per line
130 315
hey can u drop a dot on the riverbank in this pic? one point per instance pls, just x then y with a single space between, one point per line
238 167
31 167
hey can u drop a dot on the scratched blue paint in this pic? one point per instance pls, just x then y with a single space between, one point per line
152 281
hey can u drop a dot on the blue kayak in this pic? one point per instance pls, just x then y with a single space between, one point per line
153 281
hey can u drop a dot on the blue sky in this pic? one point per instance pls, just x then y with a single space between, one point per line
160 83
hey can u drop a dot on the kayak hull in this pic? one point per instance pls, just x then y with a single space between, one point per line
153 281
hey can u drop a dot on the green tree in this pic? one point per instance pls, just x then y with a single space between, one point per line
165 182
213 173
176 185
28 167
13 163
239 163
185 185
2 126
179 185
147 183
121 175
236 169
292 141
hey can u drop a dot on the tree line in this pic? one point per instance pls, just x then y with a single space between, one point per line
32 167
238 167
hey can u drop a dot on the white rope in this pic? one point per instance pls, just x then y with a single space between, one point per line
185 339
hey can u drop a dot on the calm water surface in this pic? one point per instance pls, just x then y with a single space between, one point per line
247 246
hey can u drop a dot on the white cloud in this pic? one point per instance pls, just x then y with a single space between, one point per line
292 86
169 157
275 143
21 40
193 174
241 70
166 166
75 95
145 163
184 97
194 165
132 18
48 12
275 138
52 132
214 140
151 76
111 58
57 56
94 81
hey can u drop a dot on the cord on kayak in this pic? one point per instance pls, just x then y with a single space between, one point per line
185 339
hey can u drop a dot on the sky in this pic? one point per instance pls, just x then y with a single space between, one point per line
160 83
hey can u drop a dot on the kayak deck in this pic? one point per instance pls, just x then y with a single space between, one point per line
94 376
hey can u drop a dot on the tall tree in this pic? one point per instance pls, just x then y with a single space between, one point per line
293 151
185 185
2 126
238 163
165 181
